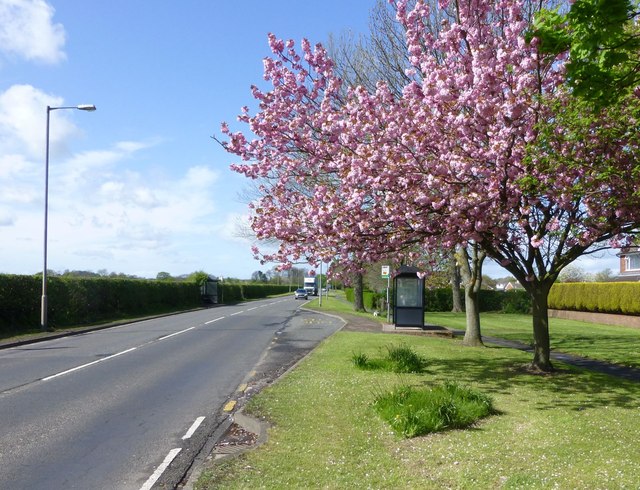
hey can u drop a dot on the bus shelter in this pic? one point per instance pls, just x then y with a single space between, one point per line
408 298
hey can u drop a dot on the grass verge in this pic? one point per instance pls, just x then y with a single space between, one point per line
398 359
609 343
573 429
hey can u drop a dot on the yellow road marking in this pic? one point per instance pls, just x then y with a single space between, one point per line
229 406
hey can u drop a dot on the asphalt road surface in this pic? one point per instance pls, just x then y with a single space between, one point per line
132 406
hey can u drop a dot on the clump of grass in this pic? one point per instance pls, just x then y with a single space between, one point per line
404 359
360 360
398 359
414 412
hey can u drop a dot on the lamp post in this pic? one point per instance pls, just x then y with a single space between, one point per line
43 312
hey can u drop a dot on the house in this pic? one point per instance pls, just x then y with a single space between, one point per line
629 264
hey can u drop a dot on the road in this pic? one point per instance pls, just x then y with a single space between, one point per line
111 408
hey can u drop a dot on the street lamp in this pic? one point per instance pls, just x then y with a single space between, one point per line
43 312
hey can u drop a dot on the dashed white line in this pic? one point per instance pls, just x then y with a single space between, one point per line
77 368
176 333
254 308
88 364
160 469
236 313
214 320
193 428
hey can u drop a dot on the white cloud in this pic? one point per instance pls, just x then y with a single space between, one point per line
5 218
27 30
111 208
23 111
235 228
123 216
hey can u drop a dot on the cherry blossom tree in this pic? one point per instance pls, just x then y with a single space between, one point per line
528 173
485 147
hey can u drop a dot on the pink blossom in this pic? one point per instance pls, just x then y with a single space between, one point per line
445 162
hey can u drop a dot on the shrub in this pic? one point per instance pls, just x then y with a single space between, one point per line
403 359
398 359
414 412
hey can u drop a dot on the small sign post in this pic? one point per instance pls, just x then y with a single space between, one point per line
386 275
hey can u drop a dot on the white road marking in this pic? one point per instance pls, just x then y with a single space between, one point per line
176 333
236 313
88 364
77 368
254 308
214 320
193 428
160 469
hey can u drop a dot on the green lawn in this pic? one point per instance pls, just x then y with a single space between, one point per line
572 429
620 345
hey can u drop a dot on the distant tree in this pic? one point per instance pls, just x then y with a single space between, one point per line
606 275
68 273
488 282
163 276
259 276
198 277
573 273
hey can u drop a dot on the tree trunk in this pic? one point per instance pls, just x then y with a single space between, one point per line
358 293
540 309
455 285
471 272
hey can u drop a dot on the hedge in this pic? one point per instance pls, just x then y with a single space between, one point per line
82 301
605 297
372 300
515 301
597 297
79 301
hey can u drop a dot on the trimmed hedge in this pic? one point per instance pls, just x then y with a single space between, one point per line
232 293
597 297
515 301
82 301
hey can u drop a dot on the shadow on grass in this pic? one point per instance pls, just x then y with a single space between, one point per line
568 387
615 348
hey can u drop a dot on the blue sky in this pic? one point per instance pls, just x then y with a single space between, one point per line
139 186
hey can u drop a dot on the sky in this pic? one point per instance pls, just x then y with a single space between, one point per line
139 186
